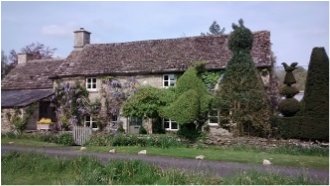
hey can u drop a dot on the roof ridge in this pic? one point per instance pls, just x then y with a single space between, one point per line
169 39
44 60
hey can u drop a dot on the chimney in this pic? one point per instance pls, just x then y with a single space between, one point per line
23 58
81 38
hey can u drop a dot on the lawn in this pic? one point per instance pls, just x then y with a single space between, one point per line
31 169
226 154
287 157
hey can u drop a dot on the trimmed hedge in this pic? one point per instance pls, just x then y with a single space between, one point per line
301 127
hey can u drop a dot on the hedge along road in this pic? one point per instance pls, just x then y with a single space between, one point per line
214 168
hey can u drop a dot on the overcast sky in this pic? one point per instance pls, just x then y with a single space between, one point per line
296 27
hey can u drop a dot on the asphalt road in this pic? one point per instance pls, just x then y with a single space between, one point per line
214 168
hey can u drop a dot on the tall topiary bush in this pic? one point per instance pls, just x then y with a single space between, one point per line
316 96
289 106
241 90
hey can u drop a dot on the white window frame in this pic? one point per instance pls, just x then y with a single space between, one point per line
171 79
89 81
209 116
170 125
90 121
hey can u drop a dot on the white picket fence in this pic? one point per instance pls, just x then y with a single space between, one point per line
81 134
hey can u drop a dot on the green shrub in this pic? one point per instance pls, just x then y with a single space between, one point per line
316 96
142 130
189 132
289 107
301 127
162 141
65 139
289 92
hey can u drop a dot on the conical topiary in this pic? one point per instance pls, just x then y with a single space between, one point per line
316 95
241 90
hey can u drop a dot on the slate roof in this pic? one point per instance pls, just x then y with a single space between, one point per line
159 56
32 75
22 98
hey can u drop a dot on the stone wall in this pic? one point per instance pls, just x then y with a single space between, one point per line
8 113
6 126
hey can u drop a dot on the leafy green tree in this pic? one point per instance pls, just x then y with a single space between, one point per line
192 100
147 102
241 90
214 29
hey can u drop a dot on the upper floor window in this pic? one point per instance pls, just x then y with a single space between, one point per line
90 122
213 117
91 83
169 80
170 125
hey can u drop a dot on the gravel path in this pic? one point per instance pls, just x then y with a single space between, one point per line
214 168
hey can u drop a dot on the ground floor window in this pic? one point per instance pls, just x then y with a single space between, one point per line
90 122
170 125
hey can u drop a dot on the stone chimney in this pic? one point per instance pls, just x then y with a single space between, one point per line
23 58
81 38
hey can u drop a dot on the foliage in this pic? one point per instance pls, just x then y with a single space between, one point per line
20 118
241 90
192 99
72 104
65 139
189 131
210 79
39 169
146 102
214 29
5 67
289 107
162 141
289 92
316 96
142 130
302 127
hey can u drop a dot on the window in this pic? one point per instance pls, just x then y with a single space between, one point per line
213 117
91 84
169 80
170 125
135 121
90 122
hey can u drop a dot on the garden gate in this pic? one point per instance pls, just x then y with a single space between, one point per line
81 134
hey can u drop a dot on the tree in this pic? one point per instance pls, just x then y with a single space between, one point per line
191 104
36 50
241 90
4 61
214 29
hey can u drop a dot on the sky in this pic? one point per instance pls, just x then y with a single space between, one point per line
296 27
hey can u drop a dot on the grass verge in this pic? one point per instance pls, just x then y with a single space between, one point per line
226 155
26 168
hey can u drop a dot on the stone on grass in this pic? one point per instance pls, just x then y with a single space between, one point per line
112 151
11 142
266 162
142 152
82 148
200 157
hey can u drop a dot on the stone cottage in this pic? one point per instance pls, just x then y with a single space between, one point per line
152 62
